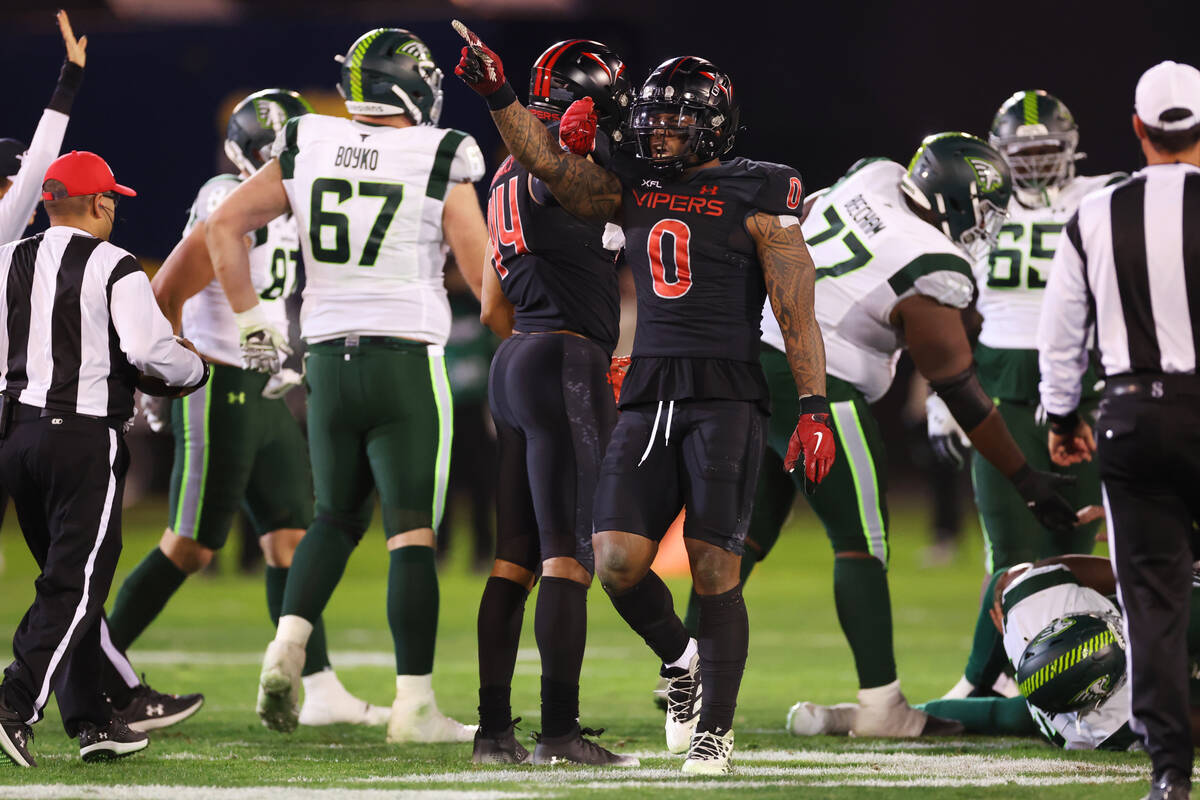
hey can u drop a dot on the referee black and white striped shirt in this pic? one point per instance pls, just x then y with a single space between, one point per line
80 323
1127 266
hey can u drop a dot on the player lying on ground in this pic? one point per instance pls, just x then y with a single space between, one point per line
551 288
707 242
236 443
377 199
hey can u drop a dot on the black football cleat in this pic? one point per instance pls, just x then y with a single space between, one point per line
15 737
149 710
572 748
940 726
1170 786
114 740
503 748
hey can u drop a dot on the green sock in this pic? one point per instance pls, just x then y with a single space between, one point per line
864 609
142 596
412 604
317 566
691 620
987 658
993 716
317 654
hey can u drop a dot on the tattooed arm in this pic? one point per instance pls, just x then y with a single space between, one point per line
583 187
790 276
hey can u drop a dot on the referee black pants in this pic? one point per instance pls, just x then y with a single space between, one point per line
66 476
1148 435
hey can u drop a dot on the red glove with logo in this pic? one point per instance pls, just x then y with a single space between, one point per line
812 443
577 128
479 67
616 374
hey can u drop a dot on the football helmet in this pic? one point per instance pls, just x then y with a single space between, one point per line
963 185
1038 136
391 71
255 122
1073 664
577 68
688 97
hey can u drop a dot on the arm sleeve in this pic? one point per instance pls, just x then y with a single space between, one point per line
1063 329
145 334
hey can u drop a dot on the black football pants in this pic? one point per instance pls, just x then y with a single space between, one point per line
1148 435
66 476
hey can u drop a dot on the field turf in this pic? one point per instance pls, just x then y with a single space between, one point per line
211 637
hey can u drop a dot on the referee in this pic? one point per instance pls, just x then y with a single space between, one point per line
1129 265
81 330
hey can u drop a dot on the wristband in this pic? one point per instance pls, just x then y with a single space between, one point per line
252 319
814 404
1063 424
502 97
64 93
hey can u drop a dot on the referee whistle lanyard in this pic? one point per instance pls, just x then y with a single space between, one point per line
654 428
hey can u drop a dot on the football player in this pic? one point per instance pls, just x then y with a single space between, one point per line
552 285
377 198
707 241
236 443
893 250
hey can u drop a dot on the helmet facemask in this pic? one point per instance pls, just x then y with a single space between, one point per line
1042 162
672 136
980 239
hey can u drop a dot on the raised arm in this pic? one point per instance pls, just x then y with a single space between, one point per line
584 188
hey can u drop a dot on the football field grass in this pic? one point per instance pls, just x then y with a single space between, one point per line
211 637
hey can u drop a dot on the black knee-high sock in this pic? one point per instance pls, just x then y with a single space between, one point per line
724 642
561 627
499 631
649 610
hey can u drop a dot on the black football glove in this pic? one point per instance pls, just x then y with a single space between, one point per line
1039 490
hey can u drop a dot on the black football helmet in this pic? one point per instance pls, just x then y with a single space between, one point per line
391 71
1074 663
685 96
255 122
577 68
1038 136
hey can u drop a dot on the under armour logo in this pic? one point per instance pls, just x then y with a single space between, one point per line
708 190
154 711
237 397
651 183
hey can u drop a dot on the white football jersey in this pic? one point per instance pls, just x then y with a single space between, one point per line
1012 279
207 317
368 200
1027 618
870 252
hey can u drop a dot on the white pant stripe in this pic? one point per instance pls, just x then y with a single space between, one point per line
116 657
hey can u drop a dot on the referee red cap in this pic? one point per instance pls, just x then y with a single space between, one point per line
83 173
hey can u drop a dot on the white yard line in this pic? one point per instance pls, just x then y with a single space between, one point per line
340 658
55 791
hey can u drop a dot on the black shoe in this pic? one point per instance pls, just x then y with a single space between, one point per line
114 740
1170 786
15 737
149 710
503 748
939 726
572 748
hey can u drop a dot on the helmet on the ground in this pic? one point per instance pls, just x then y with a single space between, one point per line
1038 136
1073 664
577 68
391 71
963 185
684 96
255 122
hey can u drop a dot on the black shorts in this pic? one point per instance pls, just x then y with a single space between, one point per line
554 413
702 454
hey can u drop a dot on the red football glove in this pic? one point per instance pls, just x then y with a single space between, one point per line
577 128
616 374
479 67
812 443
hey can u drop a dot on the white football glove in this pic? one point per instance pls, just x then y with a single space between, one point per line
156 410
281 383
950 445
261 342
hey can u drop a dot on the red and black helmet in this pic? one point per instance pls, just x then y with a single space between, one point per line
578 68
685 94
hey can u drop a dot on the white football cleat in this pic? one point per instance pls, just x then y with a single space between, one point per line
710 754
684 696
415 716
326 702
279 685
810 719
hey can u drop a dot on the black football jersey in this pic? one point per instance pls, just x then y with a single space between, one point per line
553 266
700 288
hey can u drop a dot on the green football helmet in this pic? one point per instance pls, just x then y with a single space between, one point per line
255 122
391 71
963 185
1073 664
1038 136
